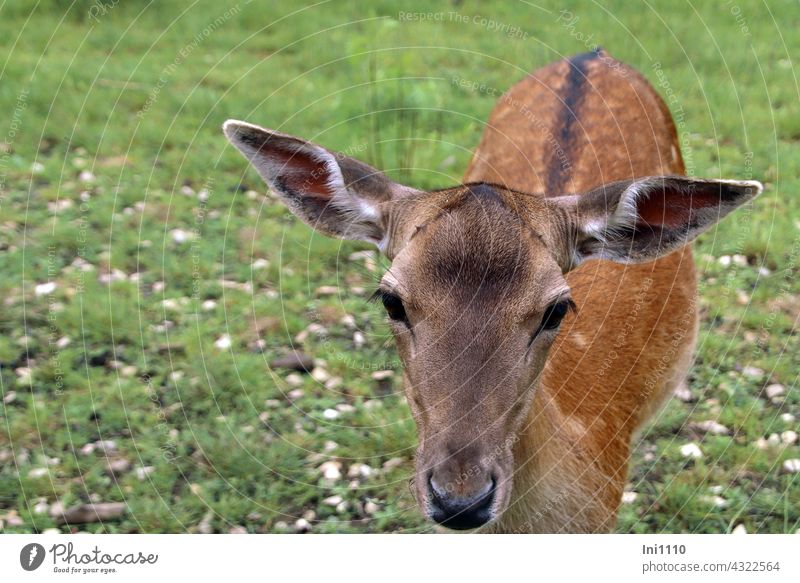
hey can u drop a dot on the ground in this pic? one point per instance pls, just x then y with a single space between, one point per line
147 282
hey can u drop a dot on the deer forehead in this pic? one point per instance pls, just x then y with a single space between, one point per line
477 252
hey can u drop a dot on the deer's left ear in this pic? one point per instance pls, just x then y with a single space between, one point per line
634 221
334 194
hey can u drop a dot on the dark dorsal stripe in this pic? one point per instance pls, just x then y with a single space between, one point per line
571 95
485 192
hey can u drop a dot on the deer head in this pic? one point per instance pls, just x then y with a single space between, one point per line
476 292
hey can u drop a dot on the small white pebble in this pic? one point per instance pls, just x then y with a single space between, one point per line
44 289
294 380
380 375
106 445
358 470
327 290
787 417
629 497
331 470
302 525
371 508
683 393
392 463
223 342
774 390
180 236
38 472
332 500
712 426
725 260
170 304
752 372
358 339
742 298
740 529
330 414
719 501
260 263
112 276
739 260
143 471
320 374
792 466
128 371
789 437
691 450
208 305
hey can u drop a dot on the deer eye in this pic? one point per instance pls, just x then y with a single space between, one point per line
553 315
394 306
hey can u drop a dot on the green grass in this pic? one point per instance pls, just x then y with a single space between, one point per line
136 96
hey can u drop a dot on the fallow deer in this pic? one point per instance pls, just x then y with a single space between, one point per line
545 308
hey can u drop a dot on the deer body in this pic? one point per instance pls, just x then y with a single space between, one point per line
545 308
603 378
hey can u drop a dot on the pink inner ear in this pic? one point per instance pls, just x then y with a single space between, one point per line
303 173
672 208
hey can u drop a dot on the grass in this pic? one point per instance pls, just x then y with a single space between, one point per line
117 185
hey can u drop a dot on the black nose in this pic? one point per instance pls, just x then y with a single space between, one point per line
461 513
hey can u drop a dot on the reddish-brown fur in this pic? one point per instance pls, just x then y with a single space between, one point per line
600 383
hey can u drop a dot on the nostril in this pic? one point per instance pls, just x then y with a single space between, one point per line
461 512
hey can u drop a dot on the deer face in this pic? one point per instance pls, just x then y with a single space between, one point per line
476 293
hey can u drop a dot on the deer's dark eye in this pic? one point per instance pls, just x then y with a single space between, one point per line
553 315
394 306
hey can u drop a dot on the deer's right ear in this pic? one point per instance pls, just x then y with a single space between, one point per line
336 195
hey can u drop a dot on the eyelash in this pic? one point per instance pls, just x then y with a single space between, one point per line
393 305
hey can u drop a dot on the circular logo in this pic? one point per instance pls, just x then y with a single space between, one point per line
31 556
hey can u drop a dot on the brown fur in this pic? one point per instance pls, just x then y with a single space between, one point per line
573 452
